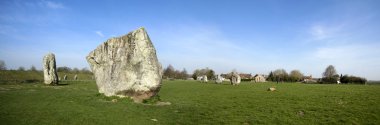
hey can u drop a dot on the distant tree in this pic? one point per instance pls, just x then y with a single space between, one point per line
21 68
33 68
210 74
2 65
196 73
85 70
330 75
206 71
76 70
280 75
352 79
64 69
330 71
169 72
295 76
271 77
183 74
177 74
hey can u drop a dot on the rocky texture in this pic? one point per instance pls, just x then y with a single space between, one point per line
219 79
50 72
127 66
199 78
235 78
204 79
259 78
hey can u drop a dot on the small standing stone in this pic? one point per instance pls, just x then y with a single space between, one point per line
219 79
204 79
65 77
235 78
50 72
76 77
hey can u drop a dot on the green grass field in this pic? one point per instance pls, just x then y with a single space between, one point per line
78 102
13 76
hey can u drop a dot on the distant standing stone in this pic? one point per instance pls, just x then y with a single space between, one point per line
235 78
204 79
127 66
76 77
65 77
50 72
219 79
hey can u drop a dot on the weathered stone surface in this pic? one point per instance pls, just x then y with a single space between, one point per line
204 79
127 66
50 72
259 78
235 78
199 78
219 79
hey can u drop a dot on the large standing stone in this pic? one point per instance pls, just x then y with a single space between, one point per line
235 78
50 72
127 66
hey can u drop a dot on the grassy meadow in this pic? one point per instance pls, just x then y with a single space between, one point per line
14 76
192 102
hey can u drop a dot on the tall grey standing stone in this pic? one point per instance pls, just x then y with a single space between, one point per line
50 72
127 66
235 78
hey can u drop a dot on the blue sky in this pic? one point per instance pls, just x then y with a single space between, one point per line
251 36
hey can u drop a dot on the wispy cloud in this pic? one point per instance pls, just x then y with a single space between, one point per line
320 32
99 33
197 46
53 5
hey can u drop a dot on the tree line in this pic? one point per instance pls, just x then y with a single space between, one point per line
34 69
279 75
171 73
329 76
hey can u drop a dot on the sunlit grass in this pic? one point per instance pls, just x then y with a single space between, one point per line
192 102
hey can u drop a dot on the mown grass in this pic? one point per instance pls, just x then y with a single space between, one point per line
14 76
192 102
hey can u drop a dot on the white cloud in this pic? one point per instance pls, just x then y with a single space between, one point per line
321 32
99 33
318 32
53 5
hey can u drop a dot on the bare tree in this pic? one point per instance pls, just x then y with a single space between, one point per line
2 65
296 75
21 68
169 72
32 68
329 72
280 75
330 75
